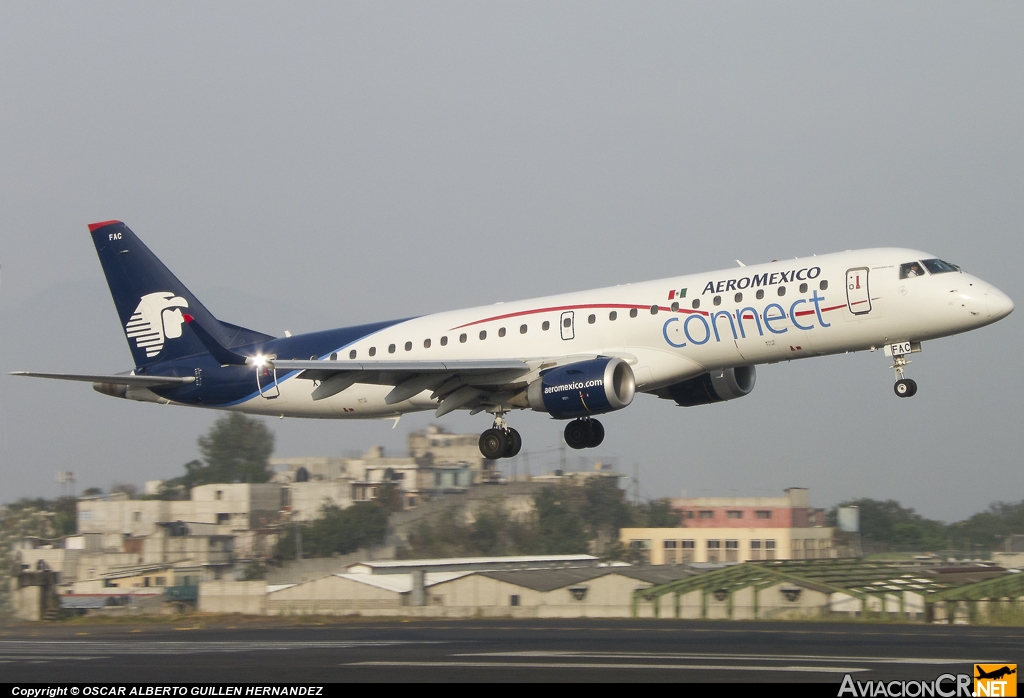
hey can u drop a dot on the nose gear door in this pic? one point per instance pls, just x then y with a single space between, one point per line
566 325
858 299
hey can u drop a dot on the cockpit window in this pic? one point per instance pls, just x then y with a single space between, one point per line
937 266
911 269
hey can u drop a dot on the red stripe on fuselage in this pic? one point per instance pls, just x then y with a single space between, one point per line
626 306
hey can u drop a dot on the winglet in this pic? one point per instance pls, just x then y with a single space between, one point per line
101 224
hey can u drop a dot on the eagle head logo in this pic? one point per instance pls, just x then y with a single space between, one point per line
157 318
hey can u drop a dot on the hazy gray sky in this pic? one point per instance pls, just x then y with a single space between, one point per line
307 165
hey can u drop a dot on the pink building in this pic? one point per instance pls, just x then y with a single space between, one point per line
791 511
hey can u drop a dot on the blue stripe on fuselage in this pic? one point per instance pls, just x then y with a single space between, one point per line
220 386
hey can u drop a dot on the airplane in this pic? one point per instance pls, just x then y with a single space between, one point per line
995 674
693 339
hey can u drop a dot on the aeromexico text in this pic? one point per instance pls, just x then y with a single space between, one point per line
766 279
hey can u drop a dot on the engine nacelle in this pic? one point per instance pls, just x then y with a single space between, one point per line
716 386
581 389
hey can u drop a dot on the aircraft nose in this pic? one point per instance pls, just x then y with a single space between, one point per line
999 304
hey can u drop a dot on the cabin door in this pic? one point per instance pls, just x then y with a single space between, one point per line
858 299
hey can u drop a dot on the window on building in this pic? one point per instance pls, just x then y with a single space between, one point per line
706 514
763 514
714 550
732 551
688 514
735 514
755 550
641 549
670 552
137 516
687 548
161 581
145 582
513 600
219 494
223 519
769 550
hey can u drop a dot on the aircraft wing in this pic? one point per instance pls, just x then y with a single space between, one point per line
471 384
124 379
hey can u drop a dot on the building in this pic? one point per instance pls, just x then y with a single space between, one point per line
737 529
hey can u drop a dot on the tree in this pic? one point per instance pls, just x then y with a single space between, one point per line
235 449
988 528
892 525
338 531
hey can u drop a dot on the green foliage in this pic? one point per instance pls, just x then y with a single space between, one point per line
254 570
987 529
91 491
41 518
656 514
338 531
235 449
889 524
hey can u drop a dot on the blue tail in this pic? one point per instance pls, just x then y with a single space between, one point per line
153 305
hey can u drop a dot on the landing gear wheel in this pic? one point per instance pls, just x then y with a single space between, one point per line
905 387
515 443
596 433
494 444
577 434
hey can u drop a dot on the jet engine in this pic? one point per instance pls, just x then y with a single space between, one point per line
580 389
716 386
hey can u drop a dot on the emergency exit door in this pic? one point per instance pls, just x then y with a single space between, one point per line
566 325
858 299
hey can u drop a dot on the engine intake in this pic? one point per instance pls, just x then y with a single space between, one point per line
581 389
717 386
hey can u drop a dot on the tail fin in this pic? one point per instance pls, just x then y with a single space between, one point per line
152 303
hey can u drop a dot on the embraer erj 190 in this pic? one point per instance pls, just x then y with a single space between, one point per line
691 339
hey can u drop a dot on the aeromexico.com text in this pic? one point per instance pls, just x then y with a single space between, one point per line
578 385
766 279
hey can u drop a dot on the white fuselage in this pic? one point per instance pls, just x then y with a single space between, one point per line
828 304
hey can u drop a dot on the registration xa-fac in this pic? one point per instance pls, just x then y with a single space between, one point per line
692 340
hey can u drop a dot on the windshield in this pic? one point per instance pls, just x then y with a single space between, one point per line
937 266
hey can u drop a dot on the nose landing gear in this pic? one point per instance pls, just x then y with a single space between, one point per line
904 387
584 433
500 441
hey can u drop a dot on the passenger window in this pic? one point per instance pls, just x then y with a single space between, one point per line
334 356
408 346
782 290
675 307
501 332
567 322
803 288
444 341
760 293
351 355
545 326
522 329
462 338
738 298
696 303
937 266
391 348
632 312
373 351
654 310
613 315
823 285
426 343
911 269
592 319
717 300
483 334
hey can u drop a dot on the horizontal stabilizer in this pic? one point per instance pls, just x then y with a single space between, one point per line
133 381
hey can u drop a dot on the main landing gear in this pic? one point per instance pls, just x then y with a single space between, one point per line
500 441
584 433
904 387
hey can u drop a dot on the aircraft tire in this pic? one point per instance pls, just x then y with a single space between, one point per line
905 387
493 444
577 434
515 443
596 433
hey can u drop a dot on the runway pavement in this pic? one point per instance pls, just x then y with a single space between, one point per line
498 650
